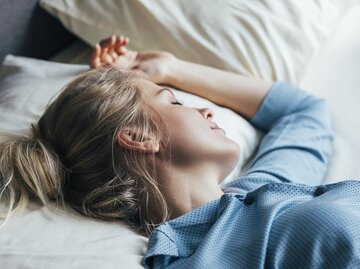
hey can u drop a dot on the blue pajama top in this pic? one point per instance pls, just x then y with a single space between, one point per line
278 215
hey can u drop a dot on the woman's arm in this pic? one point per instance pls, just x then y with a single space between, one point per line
297 146
298 141
237 92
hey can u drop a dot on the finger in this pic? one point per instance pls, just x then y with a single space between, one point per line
113 40
120 45
106 58
95 56
114 55
122 50
111 46
121 42
96 51
108 41
121 39
104 52
125 41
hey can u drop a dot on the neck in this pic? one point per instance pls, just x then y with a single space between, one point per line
186 189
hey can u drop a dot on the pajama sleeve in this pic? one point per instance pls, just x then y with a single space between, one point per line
297 143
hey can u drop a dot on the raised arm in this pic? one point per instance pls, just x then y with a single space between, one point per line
297 145
298 141
240 93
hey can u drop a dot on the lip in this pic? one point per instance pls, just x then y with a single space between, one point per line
219 129
214 126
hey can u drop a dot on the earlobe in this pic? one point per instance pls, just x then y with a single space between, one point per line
128 138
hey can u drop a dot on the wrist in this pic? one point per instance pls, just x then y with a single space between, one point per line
173 71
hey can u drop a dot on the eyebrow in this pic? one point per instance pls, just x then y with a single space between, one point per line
165 89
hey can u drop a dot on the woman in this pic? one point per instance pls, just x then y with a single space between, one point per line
116 146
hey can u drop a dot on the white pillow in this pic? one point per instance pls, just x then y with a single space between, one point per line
263 38
27 85
39 238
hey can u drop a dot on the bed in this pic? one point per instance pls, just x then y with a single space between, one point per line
316 49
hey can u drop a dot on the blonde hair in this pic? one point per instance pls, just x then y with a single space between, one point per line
71 154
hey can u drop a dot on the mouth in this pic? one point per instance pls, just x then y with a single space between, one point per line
214 126
219 129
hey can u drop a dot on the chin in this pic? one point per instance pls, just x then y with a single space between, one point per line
231 161
235 153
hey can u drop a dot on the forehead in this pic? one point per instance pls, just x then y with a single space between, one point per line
147 87
151 89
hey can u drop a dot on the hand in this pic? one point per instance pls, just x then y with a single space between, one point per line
108 51
151 65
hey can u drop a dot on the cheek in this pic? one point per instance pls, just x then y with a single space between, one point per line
191 138
190 148
185 132
197 138
180 122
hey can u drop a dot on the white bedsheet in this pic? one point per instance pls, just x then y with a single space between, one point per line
335 75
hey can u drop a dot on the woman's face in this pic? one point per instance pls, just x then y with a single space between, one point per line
194 138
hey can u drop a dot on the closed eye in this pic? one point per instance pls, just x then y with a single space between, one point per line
178 102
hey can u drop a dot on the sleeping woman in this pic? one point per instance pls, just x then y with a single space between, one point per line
117 146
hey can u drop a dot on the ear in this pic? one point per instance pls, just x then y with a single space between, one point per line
129 138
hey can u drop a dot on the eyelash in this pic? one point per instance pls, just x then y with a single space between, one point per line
178 102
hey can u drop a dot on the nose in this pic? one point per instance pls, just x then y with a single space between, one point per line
207 113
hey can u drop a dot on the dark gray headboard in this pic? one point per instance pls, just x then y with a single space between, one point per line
27 30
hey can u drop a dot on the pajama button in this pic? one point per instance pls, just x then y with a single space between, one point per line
249 200
319 190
